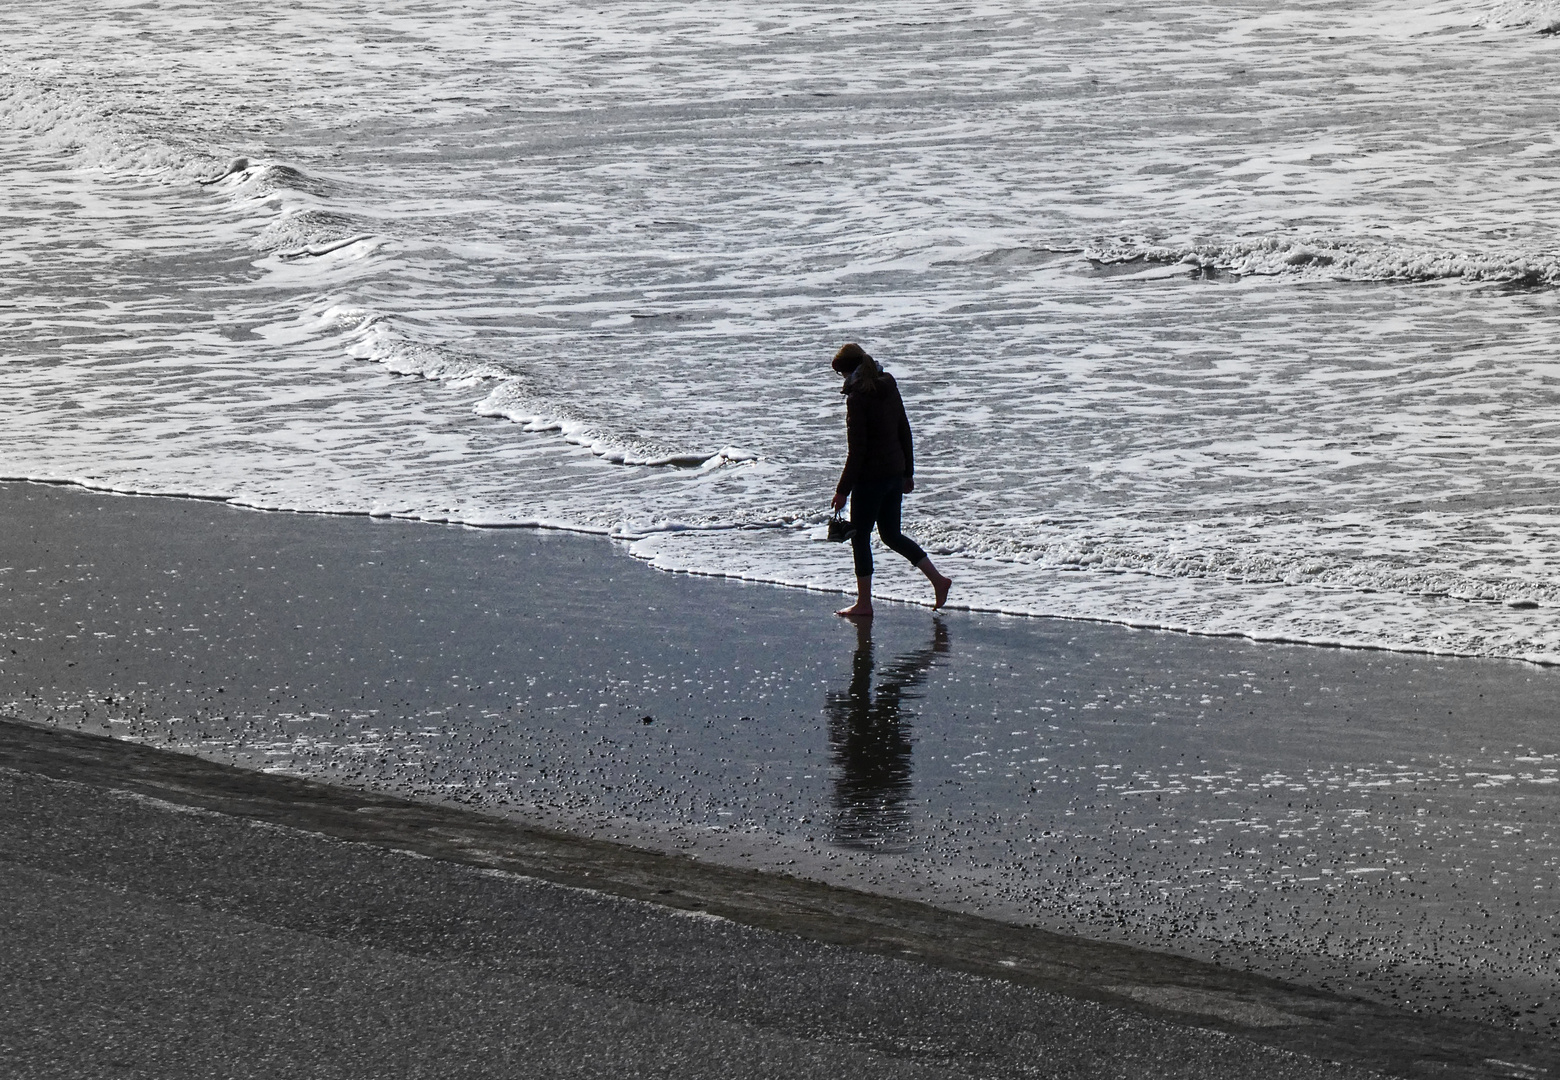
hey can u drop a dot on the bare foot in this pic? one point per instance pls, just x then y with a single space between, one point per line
940 587
855 611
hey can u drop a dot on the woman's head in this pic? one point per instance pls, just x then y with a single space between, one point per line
859 369
849 358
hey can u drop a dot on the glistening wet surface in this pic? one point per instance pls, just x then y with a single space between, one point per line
1368 821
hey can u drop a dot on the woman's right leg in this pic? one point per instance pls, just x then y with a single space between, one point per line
863 515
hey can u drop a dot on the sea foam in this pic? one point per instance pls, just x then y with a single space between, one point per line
1219 329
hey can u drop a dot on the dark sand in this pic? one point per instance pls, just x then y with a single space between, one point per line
167 917
1366 824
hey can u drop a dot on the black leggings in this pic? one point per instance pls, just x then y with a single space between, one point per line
877 502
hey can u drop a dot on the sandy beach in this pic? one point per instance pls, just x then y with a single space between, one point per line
1286 816
166 917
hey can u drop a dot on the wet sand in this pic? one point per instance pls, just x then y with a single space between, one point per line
1375 825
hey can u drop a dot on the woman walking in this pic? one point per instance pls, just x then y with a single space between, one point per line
879 471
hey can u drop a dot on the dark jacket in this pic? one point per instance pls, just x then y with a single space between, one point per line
877 433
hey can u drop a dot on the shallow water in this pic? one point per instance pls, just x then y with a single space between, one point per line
1234 319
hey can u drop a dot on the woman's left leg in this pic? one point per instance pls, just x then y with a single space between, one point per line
888 525
888 529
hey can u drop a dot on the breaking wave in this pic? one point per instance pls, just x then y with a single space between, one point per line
1342 261
1541 16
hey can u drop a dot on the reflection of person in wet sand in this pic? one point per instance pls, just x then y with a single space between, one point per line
870 743
879 472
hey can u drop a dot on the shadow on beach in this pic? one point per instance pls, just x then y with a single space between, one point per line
870 744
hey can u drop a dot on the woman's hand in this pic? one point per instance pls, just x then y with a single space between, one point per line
838 502
909 484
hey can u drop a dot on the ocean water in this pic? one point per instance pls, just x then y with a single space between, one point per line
1233 318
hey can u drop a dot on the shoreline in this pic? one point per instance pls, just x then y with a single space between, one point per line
628 541
510 671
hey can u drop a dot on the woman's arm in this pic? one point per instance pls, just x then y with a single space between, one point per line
905 442
854 422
